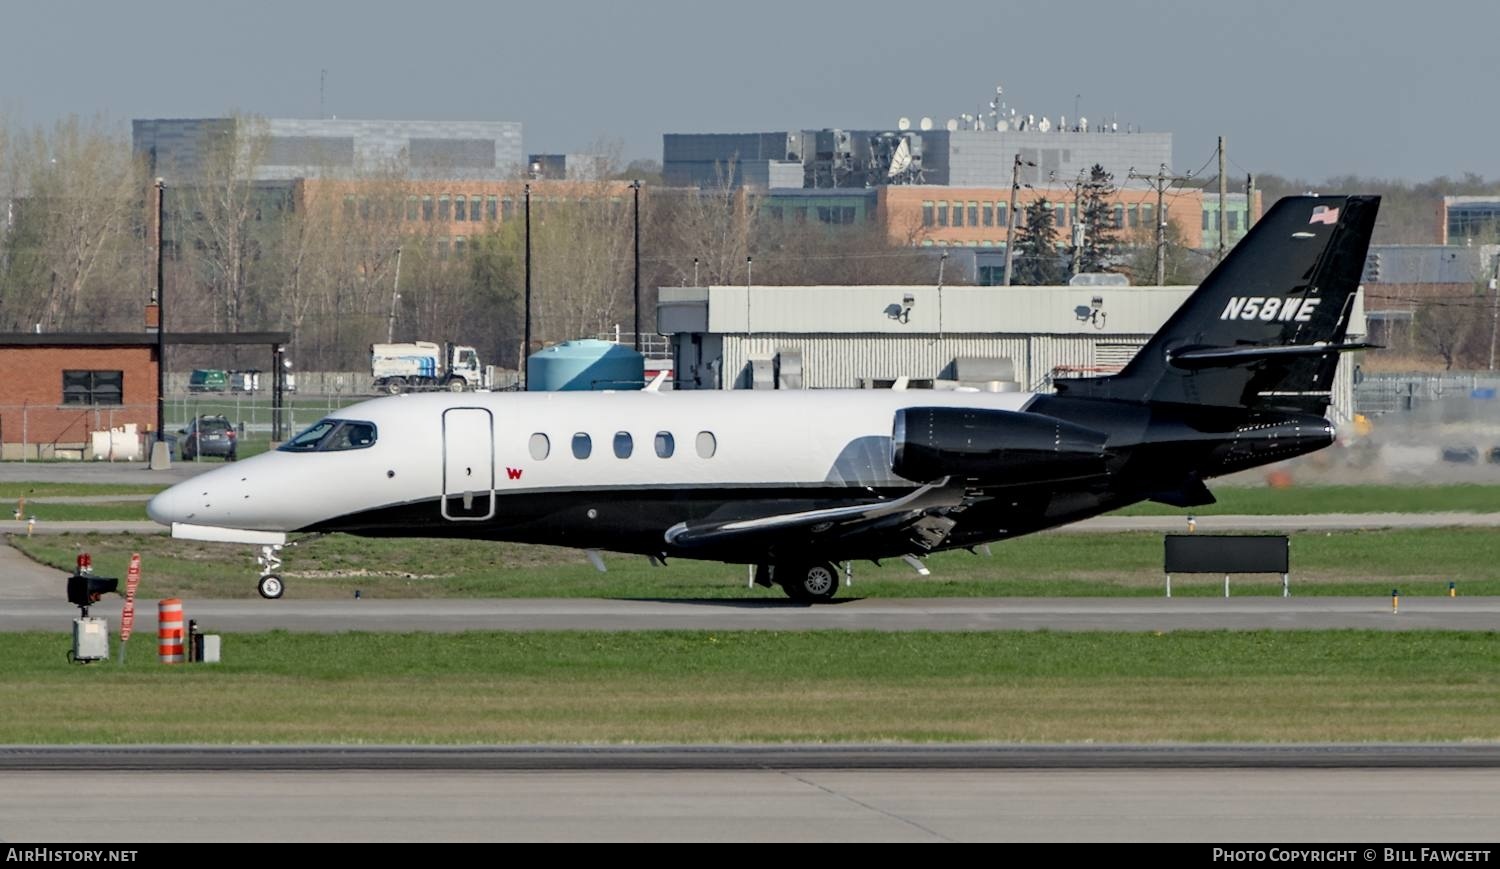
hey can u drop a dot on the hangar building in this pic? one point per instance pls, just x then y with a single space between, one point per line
1001 338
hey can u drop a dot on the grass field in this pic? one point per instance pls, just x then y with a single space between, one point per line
698 687
1299 500
1418 562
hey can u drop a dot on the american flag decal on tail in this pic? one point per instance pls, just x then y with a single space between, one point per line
1324 214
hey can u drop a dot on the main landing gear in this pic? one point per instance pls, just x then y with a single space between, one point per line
808 582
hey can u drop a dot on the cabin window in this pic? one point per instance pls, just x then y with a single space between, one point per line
624 445
665 445
540 446
582 446
707 445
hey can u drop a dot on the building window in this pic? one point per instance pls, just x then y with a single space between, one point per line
93 387
825 214
988 210
665 445
1234 221
707 445
507 208
973 213
1206 220
460 207
413 210
624 445
942 213
443 207
1001 214
1072 214
846 214
474 210
1119 216
426 207
458 247
540 446
490 206
442 248
927 213
1146 219
1135 215
1062 215
958 214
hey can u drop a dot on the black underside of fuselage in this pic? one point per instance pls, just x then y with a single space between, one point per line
634 519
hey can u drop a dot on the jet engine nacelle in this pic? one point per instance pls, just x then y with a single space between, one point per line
992 446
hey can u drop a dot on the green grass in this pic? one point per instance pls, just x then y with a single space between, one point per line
12 491
124 511
697 687
1299 500
1417 561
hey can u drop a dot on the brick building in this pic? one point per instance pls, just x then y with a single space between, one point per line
61 387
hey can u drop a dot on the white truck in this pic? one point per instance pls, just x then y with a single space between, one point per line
424 365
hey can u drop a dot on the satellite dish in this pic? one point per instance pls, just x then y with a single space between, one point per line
999 89
952 125
1083 124
1044 125
927 123
904 124
1001 126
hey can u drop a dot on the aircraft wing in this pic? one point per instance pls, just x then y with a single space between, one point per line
833 522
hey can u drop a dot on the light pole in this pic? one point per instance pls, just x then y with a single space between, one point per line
161 317
526 346
636 186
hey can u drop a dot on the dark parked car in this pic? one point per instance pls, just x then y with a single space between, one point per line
208 436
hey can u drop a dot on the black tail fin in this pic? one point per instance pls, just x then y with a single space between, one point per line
1265 328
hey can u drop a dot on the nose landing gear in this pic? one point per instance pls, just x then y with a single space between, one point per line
269 585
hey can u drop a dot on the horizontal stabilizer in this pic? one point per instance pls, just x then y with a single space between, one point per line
1208 357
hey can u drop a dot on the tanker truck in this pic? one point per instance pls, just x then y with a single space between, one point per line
426 366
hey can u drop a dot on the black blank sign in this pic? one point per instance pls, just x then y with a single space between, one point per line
1226 553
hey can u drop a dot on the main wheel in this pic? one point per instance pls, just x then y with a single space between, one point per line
814 582
395 385
457 384
270 587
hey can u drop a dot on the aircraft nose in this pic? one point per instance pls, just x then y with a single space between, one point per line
169 506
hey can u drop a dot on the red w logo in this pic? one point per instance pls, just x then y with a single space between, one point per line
513 473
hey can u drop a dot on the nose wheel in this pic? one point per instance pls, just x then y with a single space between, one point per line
270 585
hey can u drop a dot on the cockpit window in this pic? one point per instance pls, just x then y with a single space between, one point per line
330 435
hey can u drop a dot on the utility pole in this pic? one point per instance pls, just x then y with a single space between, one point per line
1223 205
1249 201
1160 182
1077 229
1010 216
390 328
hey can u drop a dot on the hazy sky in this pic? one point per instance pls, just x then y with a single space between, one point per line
1314 88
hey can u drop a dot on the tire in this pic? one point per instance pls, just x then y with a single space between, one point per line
270 587
395 386
816 582
457 384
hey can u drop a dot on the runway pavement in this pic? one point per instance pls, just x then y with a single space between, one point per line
779 799
928 614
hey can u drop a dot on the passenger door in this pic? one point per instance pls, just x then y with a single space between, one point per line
468 464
